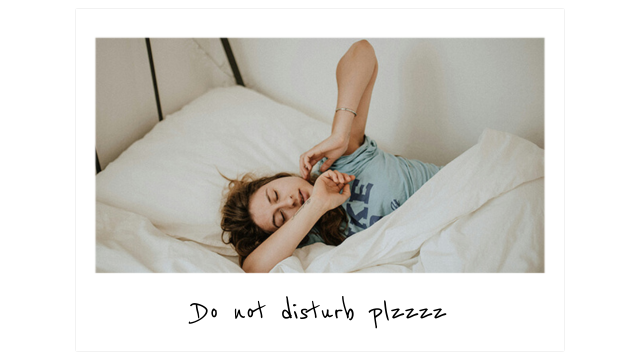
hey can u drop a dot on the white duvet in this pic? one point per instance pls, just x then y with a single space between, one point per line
483 212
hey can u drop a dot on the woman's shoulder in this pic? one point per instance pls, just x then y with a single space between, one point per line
368 148
353 163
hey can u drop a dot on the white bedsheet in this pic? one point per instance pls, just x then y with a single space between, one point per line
127 242
483 212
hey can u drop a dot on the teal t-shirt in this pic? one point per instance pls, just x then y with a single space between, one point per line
383 183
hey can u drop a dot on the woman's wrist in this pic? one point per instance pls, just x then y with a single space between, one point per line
341 129
315 205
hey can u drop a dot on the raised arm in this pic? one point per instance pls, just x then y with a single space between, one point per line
356 75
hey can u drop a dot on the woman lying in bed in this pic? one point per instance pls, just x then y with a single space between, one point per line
268 218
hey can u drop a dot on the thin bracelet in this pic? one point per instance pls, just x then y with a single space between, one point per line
349 110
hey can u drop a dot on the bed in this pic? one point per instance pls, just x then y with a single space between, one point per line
157 204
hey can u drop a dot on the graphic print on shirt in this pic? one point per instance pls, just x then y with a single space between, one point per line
358 208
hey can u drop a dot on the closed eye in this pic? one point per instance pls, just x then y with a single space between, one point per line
281 222
274 221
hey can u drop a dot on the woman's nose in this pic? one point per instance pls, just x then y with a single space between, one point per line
291 201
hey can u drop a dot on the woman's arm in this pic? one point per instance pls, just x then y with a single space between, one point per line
281 244
284 241
356 75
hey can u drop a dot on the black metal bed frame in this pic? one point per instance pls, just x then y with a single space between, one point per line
230 58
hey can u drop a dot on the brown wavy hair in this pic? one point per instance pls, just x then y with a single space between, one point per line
243 232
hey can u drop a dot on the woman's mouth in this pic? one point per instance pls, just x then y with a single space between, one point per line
302 199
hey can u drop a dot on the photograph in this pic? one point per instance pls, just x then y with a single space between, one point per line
384 171
320 155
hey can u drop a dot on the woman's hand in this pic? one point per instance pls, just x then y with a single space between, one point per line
327 189
332 148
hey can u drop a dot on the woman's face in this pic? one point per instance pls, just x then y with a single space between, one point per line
276 202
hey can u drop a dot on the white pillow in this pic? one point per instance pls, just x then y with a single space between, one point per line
171 175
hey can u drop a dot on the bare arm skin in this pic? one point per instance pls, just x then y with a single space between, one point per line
356 75
281 244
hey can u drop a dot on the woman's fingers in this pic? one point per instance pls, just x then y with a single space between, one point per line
303 170
307 162
344 178
332 148
346 191
327 164
338 177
